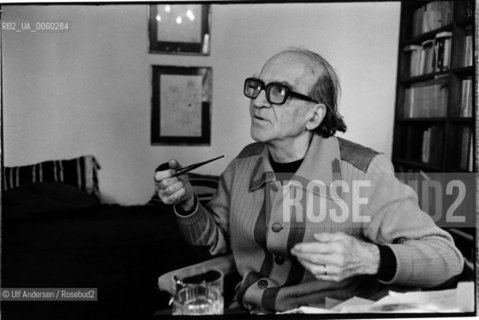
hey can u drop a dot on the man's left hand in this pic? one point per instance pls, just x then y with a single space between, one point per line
337 256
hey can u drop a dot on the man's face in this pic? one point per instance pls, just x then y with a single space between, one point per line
286 122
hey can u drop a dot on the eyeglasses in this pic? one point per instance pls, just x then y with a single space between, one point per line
276 92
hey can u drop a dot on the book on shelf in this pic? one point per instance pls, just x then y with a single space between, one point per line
426 144
432 55
468 49
413 55
409 102
432 16
466 162
431 145
442 51
471 155
466 98
425 100
469 8
418 17
426 60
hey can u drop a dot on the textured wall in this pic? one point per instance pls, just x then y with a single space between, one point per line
87 91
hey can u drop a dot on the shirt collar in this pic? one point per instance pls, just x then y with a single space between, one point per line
320 163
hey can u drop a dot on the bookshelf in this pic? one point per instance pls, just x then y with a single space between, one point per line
434 127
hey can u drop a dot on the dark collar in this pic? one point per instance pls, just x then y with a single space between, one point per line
320 163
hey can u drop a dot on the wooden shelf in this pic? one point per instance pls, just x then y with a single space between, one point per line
425 77
420 120
426 166
420 165
462 120
442 140
464 70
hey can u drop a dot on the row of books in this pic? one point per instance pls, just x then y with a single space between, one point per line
427 146
466 98
431 151
466 153
462 157
432 16
426 99
469 8
431 56
468 49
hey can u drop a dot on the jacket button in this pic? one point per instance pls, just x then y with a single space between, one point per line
277 227
279 260
262 284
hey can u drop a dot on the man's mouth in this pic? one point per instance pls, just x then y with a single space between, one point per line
259 118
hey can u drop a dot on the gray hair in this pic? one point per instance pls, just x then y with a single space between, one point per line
326 90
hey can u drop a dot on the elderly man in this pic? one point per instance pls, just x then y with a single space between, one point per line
308 215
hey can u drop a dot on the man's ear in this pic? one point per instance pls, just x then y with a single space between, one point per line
317 115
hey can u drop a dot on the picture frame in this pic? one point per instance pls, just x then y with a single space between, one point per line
181 104
179 28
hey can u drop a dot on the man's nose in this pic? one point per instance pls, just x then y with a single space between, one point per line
261 101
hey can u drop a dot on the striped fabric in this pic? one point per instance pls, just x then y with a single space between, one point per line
81 172
203 185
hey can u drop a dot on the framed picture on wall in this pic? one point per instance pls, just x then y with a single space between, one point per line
181 104
180 28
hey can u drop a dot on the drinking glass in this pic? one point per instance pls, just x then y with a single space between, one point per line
198 291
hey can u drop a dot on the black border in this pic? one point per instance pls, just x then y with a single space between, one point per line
167 47
156 138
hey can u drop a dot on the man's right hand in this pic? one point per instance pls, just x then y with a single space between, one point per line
175 190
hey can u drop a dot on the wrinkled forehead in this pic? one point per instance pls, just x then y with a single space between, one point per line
297 69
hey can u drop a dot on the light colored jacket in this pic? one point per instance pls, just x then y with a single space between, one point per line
252 215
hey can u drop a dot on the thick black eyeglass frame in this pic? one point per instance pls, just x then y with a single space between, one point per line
267 88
